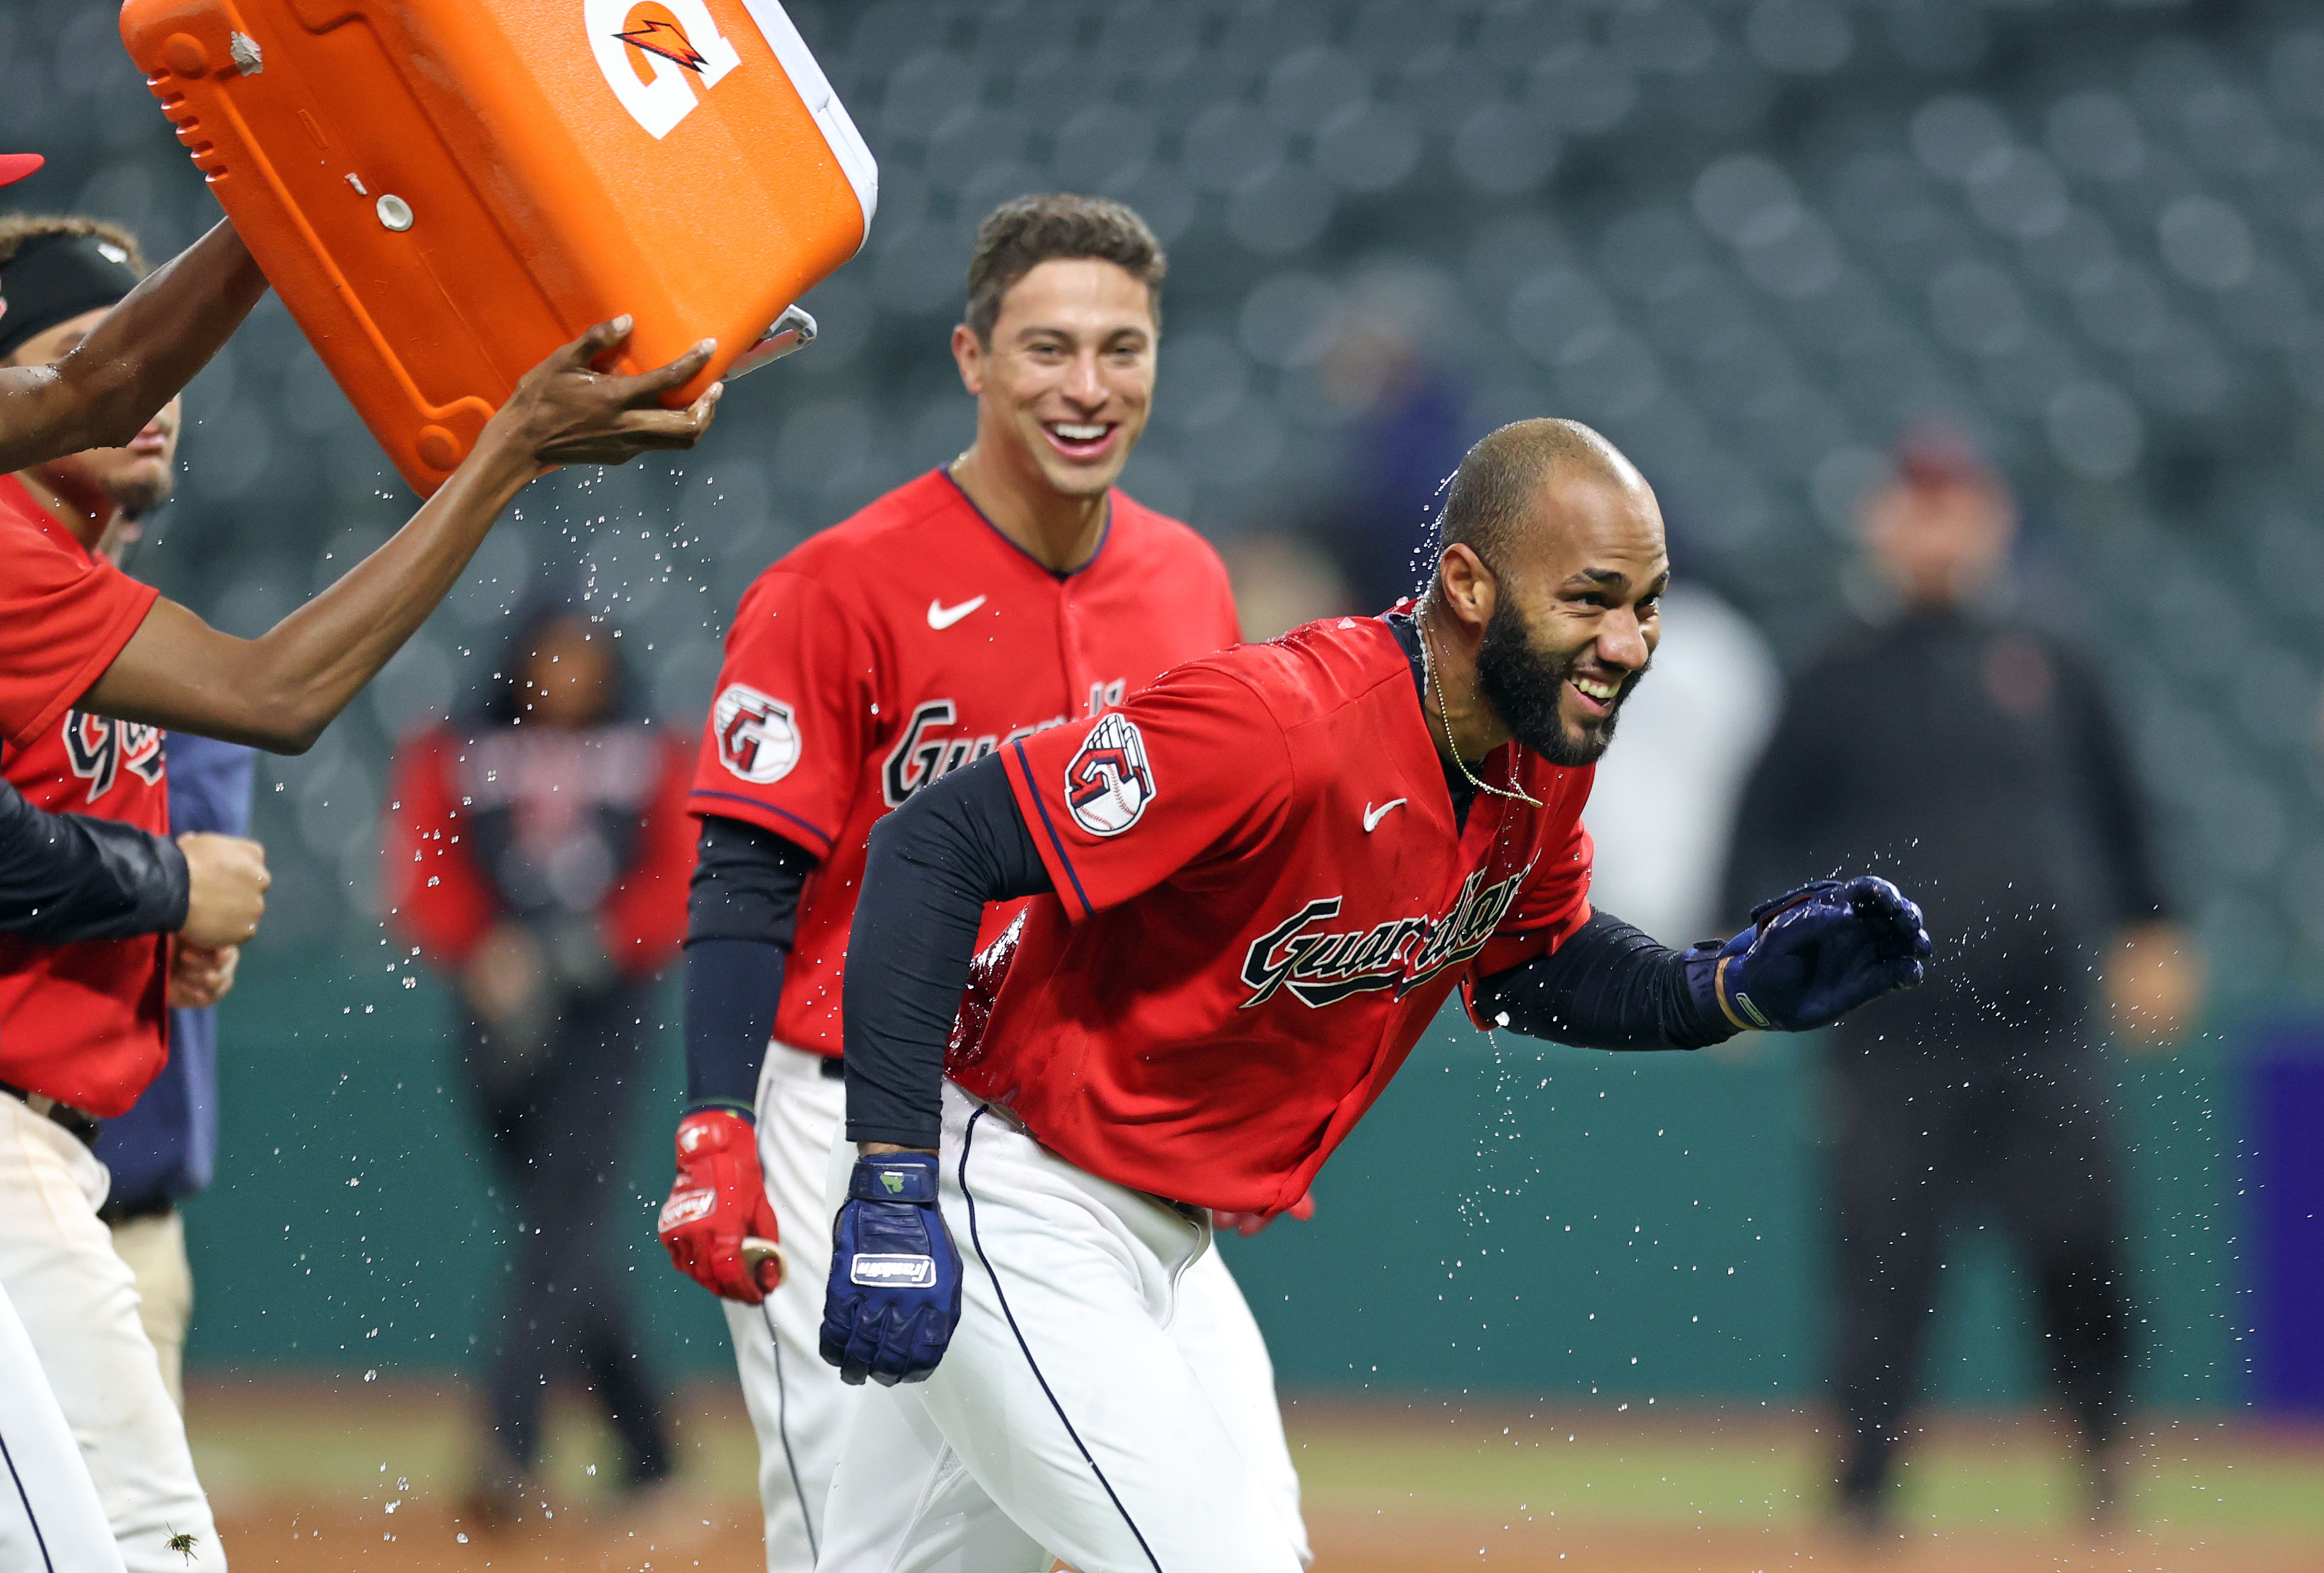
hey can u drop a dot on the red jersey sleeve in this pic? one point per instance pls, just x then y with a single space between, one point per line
785 743
644 918
64 615
436 896
1193 768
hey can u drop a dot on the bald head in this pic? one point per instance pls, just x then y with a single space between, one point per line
1497 491
1551 560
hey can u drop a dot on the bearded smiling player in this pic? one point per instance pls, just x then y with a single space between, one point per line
1251 888
1012 593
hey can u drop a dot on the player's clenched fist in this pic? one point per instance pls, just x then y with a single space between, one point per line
718 1200
1815 954
894 1296
226 888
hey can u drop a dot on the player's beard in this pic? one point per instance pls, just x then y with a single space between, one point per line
1526 689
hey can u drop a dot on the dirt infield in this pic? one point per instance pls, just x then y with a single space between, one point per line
311 1478
423 1535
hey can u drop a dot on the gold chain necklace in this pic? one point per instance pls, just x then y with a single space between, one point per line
1445 719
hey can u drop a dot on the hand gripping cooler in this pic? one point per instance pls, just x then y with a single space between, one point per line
443 191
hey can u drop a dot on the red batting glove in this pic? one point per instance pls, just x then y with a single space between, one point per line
718 1198
1247 1224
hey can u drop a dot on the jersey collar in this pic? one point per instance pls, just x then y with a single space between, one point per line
1105 534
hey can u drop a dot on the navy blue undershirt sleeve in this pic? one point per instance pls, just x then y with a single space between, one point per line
66 877
742 911
959 843
1610 986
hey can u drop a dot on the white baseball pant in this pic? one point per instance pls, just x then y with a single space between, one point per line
50 1520
77 1301
1096 1406
155 1249
798 1405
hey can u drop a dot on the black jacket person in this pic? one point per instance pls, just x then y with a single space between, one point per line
1971 756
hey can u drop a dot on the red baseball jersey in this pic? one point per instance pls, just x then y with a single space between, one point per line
64 615
85 1024
907 642
1261 901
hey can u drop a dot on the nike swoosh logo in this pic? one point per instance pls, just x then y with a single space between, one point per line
941 616
1372 816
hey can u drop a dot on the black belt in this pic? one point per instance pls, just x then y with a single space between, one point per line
115 1212
833 1069
82 1126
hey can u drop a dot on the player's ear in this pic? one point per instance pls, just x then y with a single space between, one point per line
968 353
1469 586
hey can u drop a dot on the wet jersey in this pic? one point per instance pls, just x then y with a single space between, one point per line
907 642
86 1022
64 615
1261 900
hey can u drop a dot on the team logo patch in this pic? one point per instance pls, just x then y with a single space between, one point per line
684 1207
660 57
1109 783
895 1271
757 738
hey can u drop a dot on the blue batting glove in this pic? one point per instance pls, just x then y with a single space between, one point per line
1815 954
894 1294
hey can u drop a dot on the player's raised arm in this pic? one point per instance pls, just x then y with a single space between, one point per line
279 690
1808 958
136 360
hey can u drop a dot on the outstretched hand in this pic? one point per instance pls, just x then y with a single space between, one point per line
566 412
1815 954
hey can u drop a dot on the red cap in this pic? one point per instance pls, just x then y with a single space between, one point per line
14 167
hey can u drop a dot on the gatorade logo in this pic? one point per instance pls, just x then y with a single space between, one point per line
660 57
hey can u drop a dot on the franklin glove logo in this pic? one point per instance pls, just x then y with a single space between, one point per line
895 1271
684 1207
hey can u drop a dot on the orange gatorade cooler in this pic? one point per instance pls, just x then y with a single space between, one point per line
443 191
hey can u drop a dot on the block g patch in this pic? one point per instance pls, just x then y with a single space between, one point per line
758 737
1108 785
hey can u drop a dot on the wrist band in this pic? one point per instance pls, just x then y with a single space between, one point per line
1718 992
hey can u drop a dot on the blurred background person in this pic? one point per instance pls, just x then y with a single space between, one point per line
1971 752
164 1150
537 855
1282 579
1407 424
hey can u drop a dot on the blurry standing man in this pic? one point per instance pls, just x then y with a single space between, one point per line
1012 590
538 854
165 1148
1973 755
